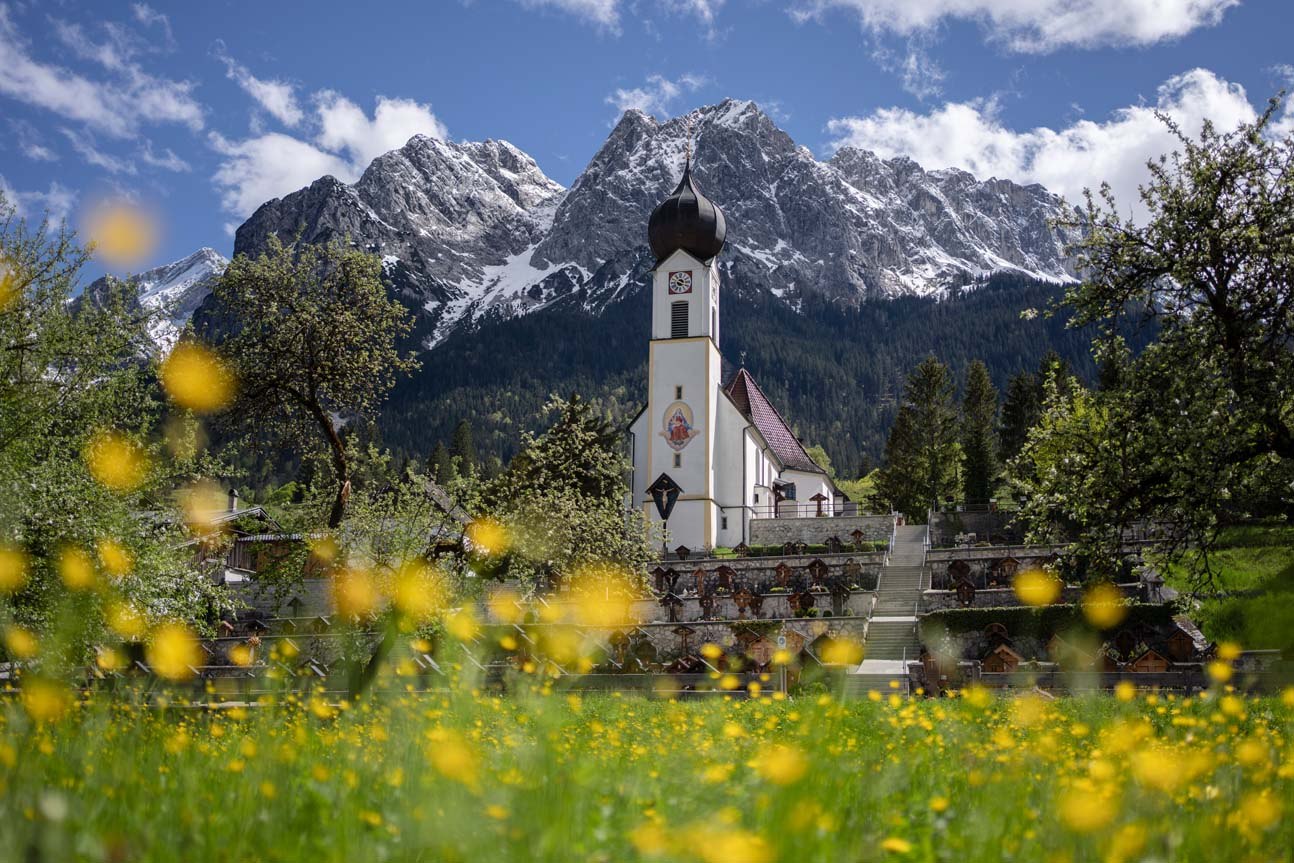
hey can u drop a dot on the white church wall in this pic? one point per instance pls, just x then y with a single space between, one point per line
638 441
701 298
806 486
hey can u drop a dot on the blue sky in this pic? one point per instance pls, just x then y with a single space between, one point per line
201 111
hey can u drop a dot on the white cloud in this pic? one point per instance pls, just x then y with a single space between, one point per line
344 127
277 97
272 165
116 106
971 136
31 142
148 16
604 13
920 74
167 159
706 10
55 203
657 96
1036 25
85 146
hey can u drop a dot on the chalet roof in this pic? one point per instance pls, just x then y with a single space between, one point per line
755 406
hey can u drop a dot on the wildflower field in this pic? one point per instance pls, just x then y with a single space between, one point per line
464 775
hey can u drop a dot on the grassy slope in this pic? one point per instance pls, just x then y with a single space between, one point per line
1253 558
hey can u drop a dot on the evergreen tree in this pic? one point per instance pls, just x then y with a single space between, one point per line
463 449
979 435
1021 410
922 450
442 464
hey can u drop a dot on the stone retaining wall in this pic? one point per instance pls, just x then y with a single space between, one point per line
816 531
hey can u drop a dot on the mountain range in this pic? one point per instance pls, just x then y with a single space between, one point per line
476 239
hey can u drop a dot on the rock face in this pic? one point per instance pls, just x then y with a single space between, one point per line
468 228
174 291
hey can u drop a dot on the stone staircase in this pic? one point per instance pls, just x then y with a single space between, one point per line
892 629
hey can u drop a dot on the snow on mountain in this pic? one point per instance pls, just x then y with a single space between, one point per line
466 228
172 292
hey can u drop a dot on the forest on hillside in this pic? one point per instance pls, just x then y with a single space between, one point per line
835 372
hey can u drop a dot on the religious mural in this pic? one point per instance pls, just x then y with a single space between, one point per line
677 427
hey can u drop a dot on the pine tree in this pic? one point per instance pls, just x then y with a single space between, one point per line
979 435
463 449
1021 410
921 454
442 464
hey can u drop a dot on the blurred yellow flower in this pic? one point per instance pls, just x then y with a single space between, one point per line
115 558
13 569
45 700
1259 810
842 651
76 569
1219 671
1084 810
8 284
462 624
782 764
418 593
1103 605
1036 587
728 845
110 659
196 378
488 537
454 758
354 593
895 845
1125 690
240 655
115 460
1229 651
174 652
939 804
19 642
711 651
121 232
1157 768
125 619
504 605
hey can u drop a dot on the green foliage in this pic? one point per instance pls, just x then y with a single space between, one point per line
979 435
69 373
463 449
1199 428
1023 621
921 455
312 336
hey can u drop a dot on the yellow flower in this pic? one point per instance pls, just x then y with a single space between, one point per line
1103 605
110 659
939 804
268 791
115 558
1036 587
453 758
488 537
1219 671
121 232
355 593
8 284
45 700
729 845
895 845
115 460
418 593
782 764
20 643
1260 811
197 378
76 569
240 655
711 651
125 619
462 624
174 652
505 606
1125 690
842 651
497 812
782 656
13 569
1157 768
371 818
1228 651
1083 810
650 839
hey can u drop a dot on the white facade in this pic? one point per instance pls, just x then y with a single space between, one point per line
693 431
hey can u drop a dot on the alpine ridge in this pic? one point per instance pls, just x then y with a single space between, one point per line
469 228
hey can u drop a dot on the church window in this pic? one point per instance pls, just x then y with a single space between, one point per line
723 522
678 392
757 497
714 323
678 320
678 459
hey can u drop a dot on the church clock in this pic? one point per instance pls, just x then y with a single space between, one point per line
681 282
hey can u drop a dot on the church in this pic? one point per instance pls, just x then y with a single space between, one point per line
709 455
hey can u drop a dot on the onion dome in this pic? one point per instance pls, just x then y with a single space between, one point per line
687 220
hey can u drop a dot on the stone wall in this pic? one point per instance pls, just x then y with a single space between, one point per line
816 531
944 527
776 606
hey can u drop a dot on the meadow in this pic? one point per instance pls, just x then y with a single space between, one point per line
463 775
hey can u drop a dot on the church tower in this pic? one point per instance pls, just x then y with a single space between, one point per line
686 233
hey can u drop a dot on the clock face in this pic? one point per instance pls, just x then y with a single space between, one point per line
680 283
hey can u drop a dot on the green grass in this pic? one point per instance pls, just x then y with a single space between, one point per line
471 777
1256 559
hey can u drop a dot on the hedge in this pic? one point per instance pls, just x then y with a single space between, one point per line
1024 621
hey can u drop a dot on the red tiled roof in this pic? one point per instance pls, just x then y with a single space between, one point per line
756 407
